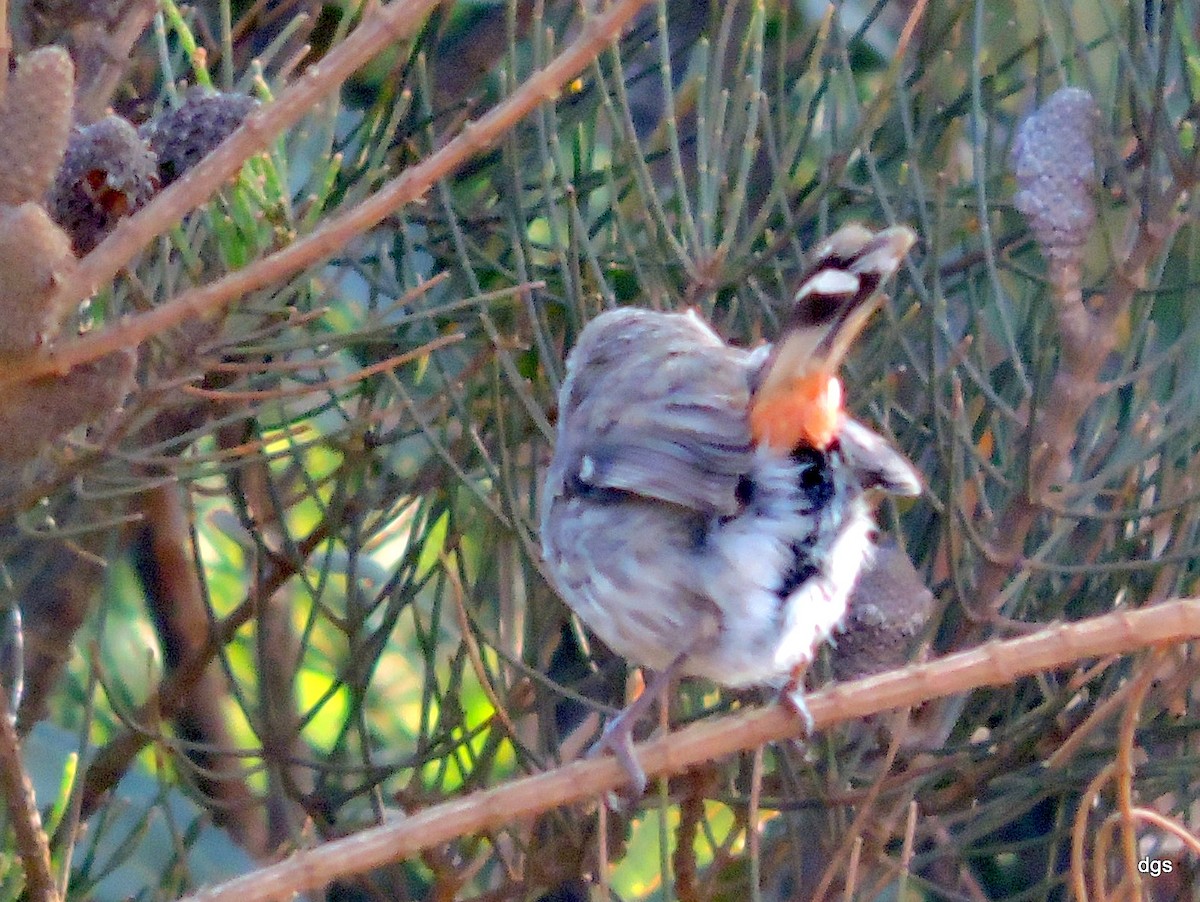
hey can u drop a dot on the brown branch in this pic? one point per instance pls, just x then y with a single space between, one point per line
132 234
104 49
6 49
31 842
995 663
1055 173
114 759
1088 336
178 608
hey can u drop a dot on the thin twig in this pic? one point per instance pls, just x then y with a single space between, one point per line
851 885
6 48
1172 826
753 834
114 759
325 385
31 842
1079 828
1126 741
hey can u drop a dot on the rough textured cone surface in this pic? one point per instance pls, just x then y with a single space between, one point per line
35 120
38 412
888 610
34 254
182 137
108 173
1055 168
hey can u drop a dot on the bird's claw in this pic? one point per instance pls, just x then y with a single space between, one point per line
618 738
794 699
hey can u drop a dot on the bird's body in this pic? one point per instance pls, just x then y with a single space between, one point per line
671 532
687 524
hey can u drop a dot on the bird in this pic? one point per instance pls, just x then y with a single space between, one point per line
707 508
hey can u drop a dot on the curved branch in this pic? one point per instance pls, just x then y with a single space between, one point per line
995 663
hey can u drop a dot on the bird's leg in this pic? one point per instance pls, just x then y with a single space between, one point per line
793 696
618 735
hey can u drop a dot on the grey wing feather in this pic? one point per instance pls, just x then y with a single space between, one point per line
655 404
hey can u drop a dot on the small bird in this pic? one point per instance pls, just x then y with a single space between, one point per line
705 512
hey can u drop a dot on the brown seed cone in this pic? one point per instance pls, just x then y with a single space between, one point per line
34 256
108 173
888 610
36 413
35 119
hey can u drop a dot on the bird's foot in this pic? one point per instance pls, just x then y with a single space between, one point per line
618 739
794 698
618 735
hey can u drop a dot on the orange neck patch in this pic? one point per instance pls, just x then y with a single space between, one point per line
805 411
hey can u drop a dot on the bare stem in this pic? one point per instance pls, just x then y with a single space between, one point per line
1087 337
995 663
32 845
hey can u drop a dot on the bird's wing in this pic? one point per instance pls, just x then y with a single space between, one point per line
656 405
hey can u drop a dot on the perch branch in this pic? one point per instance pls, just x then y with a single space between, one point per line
995 663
